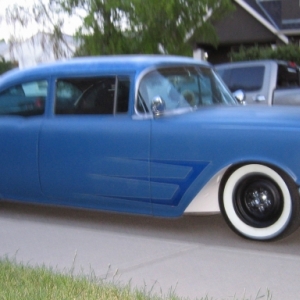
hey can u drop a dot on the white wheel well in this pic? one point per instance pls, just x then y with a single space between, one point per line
207 200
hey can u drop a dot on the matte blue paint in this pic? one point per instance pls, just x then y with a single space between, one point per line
95 157
19 157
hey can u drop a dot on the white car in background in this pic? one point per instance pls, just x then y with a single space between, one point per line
263 82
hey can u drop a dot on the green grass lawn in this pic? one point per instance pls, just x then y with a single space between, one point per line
22 282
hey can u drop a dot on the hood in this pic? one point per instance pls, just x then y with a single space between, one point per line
274 116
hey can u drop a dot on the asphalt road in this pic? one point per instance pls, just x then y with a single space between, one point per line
193 256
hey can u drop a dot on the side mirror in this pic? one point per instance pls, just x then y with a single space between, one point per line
240 96
158 106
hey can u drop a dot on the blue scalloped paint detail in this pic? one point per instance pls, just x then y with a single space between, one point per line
181 177
169 180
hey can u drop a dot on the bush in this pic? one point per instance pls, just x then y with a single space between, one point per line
289 52
6 65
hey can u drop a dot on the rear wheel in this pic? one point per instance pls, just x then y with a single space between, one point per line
259 202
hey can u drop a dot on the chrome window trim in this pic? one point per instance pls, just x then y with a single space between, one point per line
137 85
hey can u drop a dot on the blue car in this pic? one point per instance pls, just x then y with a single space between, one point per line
153 135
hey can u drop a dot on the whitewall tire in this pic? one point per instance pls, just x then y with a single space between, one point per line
259 202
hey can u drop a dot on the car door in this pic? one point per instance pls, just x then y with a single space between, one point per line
21 114
287 96
172 95
92 153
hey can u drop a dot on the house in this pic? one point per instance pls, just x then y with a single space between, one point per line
254 22
39 48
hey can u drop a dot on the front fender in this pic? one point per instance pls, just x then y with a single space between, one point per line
206 201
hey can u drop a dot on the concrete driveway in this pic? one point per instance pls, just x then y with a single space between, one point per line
193 256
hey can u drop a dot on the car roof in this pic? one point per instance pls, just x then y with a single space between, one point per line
255 63
245 63
92 65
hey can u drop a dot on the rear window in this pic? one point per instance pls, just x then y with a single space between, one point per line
26 99
246 78
288 76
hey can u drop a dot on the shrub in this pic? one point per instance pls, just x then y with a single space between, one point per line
6 65
289 52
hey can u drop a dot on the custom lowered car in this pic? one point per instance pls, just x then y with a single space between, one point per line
155 135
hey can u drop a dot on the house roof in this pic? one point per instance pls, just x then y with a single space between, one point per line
254 8
281 14
254 22
270 11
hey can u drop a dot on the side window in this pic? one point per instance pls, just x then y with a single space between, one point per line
95 95
26 99
245 78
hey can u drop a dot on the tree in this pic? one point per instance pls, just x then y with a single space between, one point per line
290 52
104 26
47 17
160 26
176 25
128 26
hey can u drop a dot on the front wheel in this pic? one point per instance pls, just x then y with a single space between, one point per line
259 202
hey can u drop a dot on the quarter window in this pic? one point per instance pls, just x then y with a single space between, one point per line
25 99
96 95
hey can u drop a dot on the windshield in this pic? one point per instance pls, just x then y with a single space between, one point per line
180 87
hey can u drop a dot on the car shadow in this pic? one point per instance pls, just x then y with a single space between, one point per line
208 230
